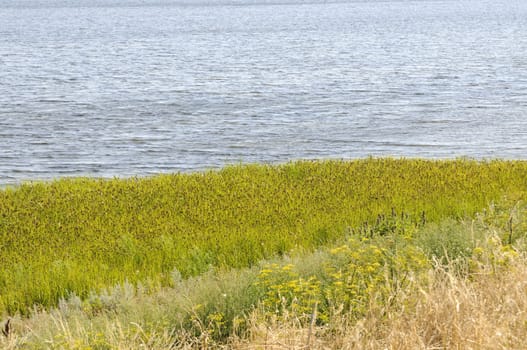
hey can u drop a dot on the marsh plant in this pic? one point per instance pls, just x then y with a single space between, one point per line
80 236
388 290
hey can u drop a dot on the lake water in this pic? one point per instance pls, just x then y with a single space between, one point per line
121 88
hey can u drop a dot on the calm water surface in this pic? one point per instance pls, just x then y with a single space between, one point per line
120 88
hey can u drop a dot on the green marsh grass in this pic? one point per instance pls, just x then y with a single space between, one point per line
76 236
347 295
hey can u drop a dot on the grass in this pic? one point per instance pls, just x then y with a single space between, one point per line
80 236
392 289
485 311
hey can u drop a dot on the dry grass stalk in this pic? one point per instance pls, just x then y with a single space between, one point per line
487 311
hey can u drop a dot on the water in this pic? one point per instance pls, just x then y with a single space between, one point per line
121 88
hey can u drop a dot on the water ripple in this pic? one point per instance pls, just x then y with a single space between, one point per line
107 88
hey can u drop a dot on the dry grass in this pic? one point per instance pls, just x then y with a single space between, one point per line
486 311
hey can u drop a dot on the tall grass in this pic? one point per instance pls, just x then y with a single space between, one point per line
363 293
486 311
80 235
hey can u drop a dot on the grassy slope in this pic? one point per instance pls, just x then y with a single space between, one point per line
393 290
85 234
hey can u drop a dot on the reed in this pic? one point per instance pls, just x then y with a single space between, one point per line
77 236
362 293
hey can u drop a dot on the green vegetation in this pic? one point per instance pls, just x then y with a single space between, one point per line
391 289
76 236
